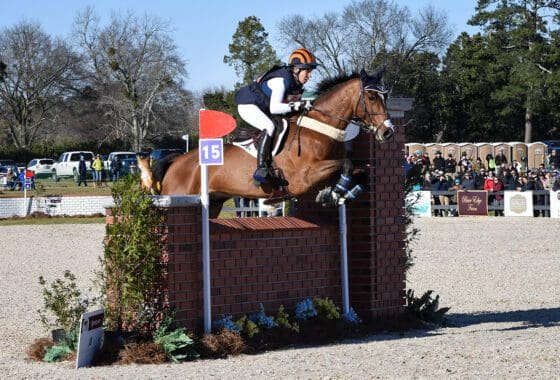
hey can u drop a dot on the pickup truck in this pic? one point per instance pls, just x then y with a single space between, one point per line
67 164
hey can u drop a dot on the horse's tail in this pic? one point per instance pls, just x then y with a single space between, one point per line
161 167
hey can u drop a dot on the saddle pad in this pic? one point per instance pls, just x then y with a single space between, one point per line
249 147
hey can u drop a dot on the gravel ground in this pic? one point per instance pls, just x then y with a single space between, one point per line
500 276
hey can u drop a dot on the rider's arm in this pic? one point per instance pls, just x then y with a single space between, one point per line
278 89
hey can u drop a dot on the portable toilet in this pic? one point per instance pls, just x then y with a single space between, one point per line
503 147
518 151
536 154
450 148
470 149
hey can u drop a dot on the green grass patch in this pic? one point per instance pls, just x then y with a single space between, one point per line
34 221
50 188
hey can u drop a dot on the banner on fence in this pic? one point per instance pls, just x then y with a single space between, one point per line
555 204
518 203
419 203
472 202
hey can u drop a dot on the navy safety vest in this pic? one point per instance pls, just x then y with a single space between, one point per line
258 92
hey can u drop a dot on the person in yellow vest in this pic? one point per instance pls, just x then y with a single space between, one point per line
97 166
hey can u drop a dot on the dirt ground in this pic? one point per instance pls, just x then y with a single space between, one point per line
500 276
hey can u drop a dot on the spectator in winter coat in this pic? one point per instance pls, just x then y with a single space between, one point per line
450 165
553 158
442 185
498 198
439 162
468 182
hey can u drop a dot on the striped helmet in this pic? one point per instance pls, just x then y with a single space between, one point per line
303 59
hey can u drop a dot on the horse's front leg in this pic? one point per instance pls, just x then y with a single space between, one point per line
324 170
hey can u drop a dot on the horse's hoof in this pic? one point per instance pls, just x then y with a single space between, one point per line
326 197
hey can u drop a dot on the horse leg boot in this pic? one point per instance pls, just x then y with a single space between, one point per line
262 173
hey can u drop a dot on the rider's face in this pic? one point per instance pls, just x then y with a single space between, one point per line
303 75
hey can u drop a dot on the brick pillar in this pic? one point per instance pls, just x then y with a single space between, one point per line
376 231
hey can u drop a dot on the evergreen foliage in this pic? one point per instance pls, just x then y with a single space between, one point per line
133 270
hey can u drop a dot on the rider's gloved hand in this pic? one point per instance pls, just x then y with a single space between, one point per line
296 106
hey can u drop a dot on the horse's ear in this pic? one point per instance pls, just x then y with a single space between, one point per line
373 82
364 76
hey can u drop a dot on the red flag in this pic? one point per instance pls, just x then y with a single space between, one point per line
214 124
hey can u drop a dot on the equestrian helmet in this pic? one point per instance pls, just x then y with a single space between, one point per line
303 59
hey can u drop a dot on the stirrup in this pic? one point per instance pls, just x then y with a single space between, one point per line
261 175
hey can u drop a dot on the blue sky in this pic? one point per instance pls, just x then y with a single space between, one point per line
203 29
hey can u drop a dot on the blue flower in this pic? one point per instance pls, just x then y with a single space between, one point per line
305 309
227 323
262 320
352 317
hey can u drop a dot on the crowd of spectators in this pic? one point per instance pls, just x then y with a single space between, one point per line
493 174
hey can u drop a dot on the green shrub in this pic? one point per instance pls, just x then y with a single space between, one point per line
283 320
326 308
247 327
426 308
132 274
57 352
176 344
63 300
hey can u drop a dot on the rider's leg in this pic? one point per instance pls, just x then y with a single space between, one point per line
258 119
263 154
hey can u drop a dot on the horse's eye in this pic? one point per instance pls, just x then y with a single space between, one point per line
371 97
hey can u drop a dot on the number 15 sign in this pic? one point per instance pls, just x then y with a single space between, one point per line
211 151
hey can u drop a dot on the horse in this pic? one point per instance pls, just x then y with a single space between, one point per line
359 99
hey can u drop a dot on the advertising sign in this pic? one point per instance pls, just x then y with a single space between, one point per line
89 340
518 203
555 204
472 202
419 203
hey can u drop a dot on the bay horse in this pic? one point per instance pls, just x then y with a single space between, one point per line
307 159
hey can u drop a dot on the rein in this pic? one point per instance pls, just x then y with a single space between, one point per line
364 126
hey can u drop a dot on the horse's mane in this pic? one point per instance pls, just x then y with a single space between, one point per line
328 83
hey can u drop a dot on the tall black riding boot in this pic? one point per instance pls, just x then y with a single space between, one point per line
263 154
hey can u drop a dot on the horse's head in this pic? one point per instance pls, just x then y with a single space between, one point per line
146 175
371 111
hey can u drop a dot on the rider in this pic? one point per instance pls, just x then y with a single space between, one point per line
277 92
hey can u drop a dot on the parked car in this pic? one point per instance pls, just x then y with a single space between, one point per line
5 162
67 164
158 154
128 165
42 167
120 155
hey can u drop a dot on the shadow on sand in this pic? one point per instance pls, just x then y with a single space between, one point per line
529 318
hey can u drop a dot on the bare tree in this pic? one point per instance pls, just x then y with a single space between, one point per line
37 72
325 36
366 34
135 62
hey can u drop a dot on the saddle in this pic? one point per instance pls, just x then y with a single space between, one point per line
247 138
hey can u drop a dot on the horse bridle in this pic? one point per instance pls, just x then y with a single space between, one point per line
360 122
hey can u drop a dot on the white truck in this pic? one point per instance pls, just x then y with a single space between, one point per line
67 164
